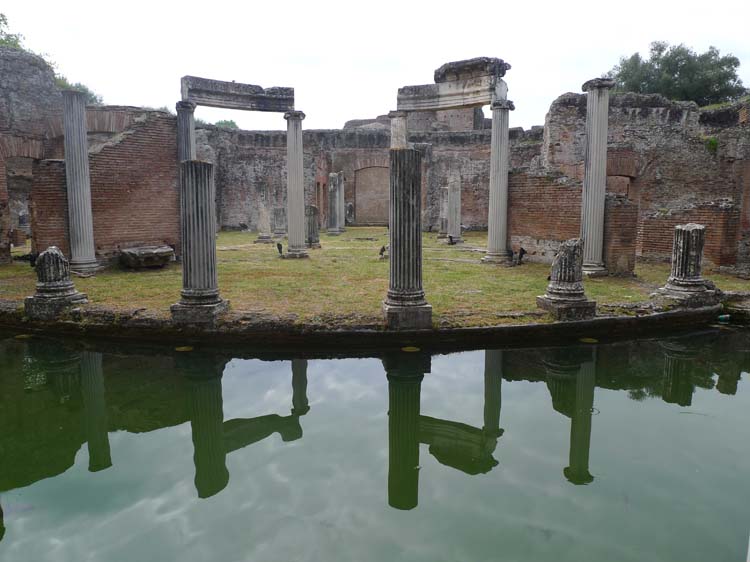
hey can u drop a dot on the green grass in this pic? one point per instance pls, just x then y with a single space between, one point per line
344 282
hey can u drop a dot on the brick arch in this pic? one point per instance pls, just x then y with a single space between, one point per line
371 194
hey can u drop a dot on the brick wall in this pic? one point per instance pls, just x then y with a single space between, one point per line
4 215
620 234
134 189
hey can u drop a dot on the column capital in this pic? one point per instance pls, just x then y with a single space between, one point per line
397 114
185 106
503 104
598 83
294 115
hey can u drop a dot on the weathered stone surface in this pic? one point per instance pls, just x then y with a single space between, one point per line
232 95
295 192
454 208
471 68
471 92
264 225
565 298
497 215
312 226
279 222
686 284
335 189
146 257
186 149
443 217
55 291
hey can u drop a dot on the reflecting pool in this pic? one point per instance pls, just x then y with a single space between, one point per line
629 451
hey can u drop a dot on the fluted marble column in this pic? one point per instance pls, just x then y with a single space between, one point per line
334 216
405 306
340 195
493 379
312 228
264 224
81 220
497 218
398 129
95 411
185 131
454 208
595 174
443 216
679 360
577 471
200 300
295 190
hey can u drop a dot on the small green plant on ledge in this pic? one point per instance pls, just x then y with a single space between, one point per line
712 144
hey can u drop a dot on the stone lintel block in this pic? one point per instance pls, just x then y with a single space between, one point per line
622 163
45 308
618 184
471 92
563 310
233 95
414 317
141 257
471 68
202 314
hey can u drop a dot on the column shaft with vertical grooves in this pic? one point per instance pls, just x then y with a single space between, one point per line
497 218
580 425
95 411
81 221
454 207
295 191
687 254
185 131
595 173
341 211
206 421
405 222
333 204
403 440
443 217
200 283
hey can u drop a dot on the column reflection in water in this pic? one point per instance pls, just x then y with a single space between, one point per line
405 372
571 377
95 411
300 405
679 359
493 379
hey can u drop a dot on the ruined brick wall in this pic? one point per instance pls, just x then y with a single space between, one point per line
134 189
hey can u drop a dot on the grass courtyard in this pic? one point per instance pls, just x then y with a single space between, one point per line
345 282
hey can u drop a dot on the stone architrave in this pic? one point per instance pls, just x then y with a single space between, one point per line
405 307
398 129
443 216
264 225
454 208
81 220
200 302
686 284
185 131
565 298
497 218
279 222
334 220
234 95
312 228
295 191
595 174
55 291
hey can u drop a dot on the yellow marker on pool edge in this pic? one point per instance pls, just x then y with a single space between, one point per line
409 349
588 340
23 336
184 348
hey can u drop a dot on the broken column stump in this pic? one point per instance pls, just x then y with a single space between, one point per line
55 292
565 298
312 227
686 285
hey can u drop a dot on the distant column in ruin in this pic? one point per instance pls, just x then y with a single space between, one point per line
340 194
443 216
405 373
334 220
398 129
565 298
405 306
312 228
264 225
679 359
577 471
279 222
81 220
595 174
95 411
497 218
185 131
55 291
454 208
300 405
200 302
493 379
295 191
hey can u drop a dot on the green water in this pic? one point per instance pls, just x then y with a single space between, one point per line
631 451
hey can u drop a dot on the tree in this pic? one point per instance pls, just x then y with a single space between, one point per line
679 73
226 124
7 39
92 98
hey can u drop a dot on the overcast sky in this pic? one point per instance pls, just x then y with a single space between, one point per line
347 59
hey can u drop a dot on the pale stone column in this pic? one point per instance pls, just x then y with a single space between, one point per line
295 186
264 225
595 175
200 300
443 216
405 306
81 220
398 129
577 471
565 298
497 218
454 208
300 404
95 411
185 131
312 228
493 379
334 228
341 211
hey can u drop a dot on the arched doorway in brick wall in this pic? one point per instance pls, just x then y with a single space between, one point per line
371 196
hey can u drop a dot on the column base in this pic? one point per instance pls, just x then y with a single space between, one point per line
442 235
198 313
688 299
456 240
567 310
295 254
263 239
333 233
277 236
46 308
85 268
594 270
313 245
498 259
413 317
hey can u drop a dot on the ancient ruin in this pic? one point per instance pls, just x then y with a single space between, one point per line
312 226
565 298
55 291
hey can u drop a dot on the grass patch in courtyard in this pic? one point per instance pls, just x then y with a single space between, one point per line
344 282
